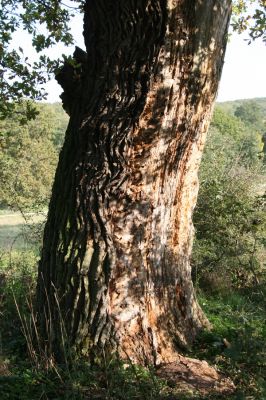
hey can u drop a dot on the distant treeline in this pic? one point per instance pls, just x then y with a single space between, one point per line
29 155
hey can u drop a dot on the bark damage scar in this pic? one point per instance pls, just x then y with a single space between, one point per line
162 188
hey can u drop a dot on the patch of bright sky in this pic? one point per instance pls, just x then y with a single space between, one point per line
244 72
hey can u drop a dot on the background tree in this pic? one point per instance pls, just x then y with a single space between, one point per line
230 214
48 24
29 155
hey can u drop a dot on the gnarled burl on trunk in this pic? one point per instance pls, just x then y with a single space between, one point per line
114 271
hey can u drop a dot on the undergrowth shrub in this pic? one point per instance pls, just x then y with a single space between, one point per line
230 219
18 276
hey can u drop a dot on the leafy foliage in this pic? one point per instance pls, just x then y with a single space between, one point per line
29 154
254 22
48 24
230 215
252 114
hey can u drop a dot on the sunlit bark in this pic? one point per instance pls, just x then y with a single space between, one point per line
118 239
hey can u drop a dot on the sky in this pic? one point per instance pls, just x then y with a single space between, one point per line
244 72
243 77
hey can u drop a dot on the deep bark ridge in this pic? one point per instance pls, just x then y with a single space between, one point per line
115 271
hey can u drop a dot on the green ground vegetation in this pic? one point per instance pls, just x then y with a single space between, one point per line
228 266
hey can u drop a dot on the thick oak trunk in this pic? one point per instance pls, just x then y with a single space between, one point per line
115 270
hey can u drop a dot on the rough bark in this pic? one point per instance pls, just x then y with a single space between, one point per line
115 270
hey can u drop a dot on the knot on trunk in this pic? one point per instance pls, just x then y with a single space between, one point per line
70 78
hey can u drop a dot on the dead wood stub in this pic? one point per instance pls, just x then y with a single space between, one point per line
189 374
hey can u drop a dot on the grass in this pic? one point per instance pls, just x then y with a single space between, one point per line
15 232
113 382
237 341
11 237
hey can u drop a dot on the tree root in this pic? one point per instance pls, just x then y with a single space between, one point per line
194 375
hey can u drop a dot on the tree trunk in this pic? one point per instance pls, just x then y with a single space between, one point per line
115 270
